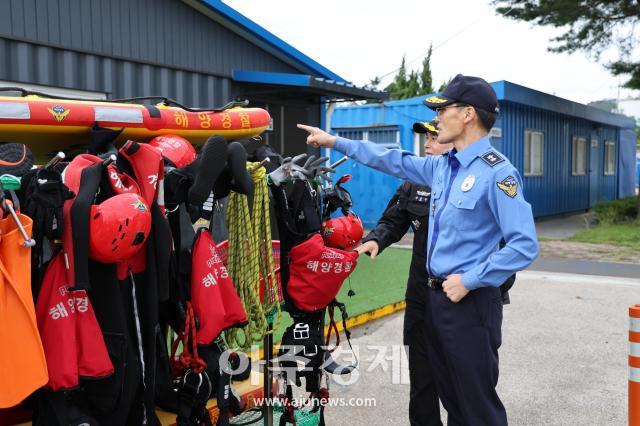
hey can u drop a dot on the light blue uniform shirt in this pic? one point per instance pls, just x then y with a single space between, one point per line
476 199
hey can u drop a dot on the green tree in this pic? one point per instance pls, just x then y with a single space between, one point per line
591 26
372 85
426 80
398 87
444 84
413 86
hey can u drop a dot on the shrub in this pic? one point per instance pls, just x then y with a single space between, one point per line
623 210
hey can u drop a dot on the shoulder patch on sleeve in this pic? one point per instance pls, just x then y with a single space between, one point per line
509 186
492 158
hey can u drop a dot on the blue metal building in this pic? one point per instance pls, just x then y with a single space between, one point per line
570 155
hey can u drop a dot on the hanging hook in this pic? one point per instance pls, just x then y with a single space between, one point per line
110 159
28 242
339 162
260 164
55 160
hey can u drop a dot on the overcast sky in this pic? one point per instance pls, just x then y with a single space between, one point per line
361 39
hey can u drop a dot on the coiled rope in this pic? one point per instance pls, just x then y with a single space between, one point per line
250 257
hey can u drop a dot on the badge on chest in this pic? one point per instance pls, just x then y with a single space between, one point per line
467 183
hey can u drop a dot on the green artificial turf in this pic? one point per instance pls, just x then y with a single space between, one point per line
376 283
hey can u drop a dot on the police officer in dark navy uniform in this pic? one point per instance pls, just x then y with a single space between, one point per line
409 207
476 200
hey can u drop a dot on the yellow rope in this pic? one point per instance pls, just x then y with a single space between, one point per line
247 262
262 231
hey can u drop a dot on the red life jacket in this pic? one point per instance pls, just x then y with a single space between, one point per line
213 296
316 273
148 169
71 338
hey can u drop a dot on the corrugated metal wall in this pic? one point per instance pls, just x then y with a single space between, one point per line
27 62
557 191
126 48
162 32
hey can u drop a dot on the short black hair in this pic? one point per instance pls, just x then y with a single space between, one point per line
487 118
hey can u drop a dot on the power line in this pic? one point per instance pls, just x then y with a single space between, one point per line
440 45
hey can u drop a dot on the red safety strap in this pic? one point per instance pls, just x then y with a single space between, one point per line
333 328
189 358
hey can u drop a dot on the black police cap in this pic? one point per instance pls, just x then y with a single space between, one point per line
468 90
426 126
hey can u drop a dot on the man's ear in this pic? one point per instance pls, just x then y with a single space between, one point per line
469 114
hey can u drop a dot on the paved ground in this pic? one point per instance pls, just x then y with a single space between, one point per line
569 266
562 227
563 360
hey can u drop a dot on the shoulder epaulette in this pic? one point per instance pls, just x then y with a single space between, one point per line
492 158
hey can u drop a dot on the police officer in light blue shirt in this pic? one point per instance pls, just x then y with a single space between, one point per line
476 200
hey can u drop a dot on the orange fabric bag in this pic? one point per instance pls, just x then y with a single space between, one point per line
23 367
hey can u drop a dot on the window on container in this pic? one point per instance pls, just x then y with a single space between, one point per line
533 153
386 136
579 156
609 158
356 135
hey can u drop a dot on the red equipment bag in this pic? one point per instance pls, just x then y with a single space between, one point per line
71 338
316 273
213 296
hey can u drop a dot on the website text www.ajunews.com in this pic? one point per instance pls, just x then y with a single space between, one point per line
326 402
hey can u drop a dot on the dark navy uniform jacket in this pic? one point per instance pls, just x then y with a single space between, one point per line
409 207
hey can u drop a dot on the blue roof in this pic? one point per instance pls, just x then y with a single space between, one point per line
320 85
511 92
254 32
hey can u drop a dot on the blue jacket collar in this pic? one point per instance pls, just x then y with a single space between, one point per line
476 149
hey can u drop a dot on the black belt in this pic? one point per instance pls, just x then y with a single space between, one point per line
435 283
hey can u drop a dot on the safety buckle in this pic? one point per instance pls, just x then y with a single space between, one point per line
197 391
187 385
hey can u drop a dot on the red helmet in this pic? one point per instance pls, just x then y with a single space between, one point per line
119 227
175 148
342 232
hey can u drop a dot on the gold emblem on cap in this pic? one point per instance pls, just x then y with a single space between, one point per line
431 127
436 100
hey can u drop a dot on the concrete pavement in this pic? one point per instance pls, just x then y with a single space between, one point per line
569 266
563 359
562 227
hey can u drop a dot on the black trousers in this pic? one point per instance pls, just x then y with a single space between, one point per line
464 338
424 409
